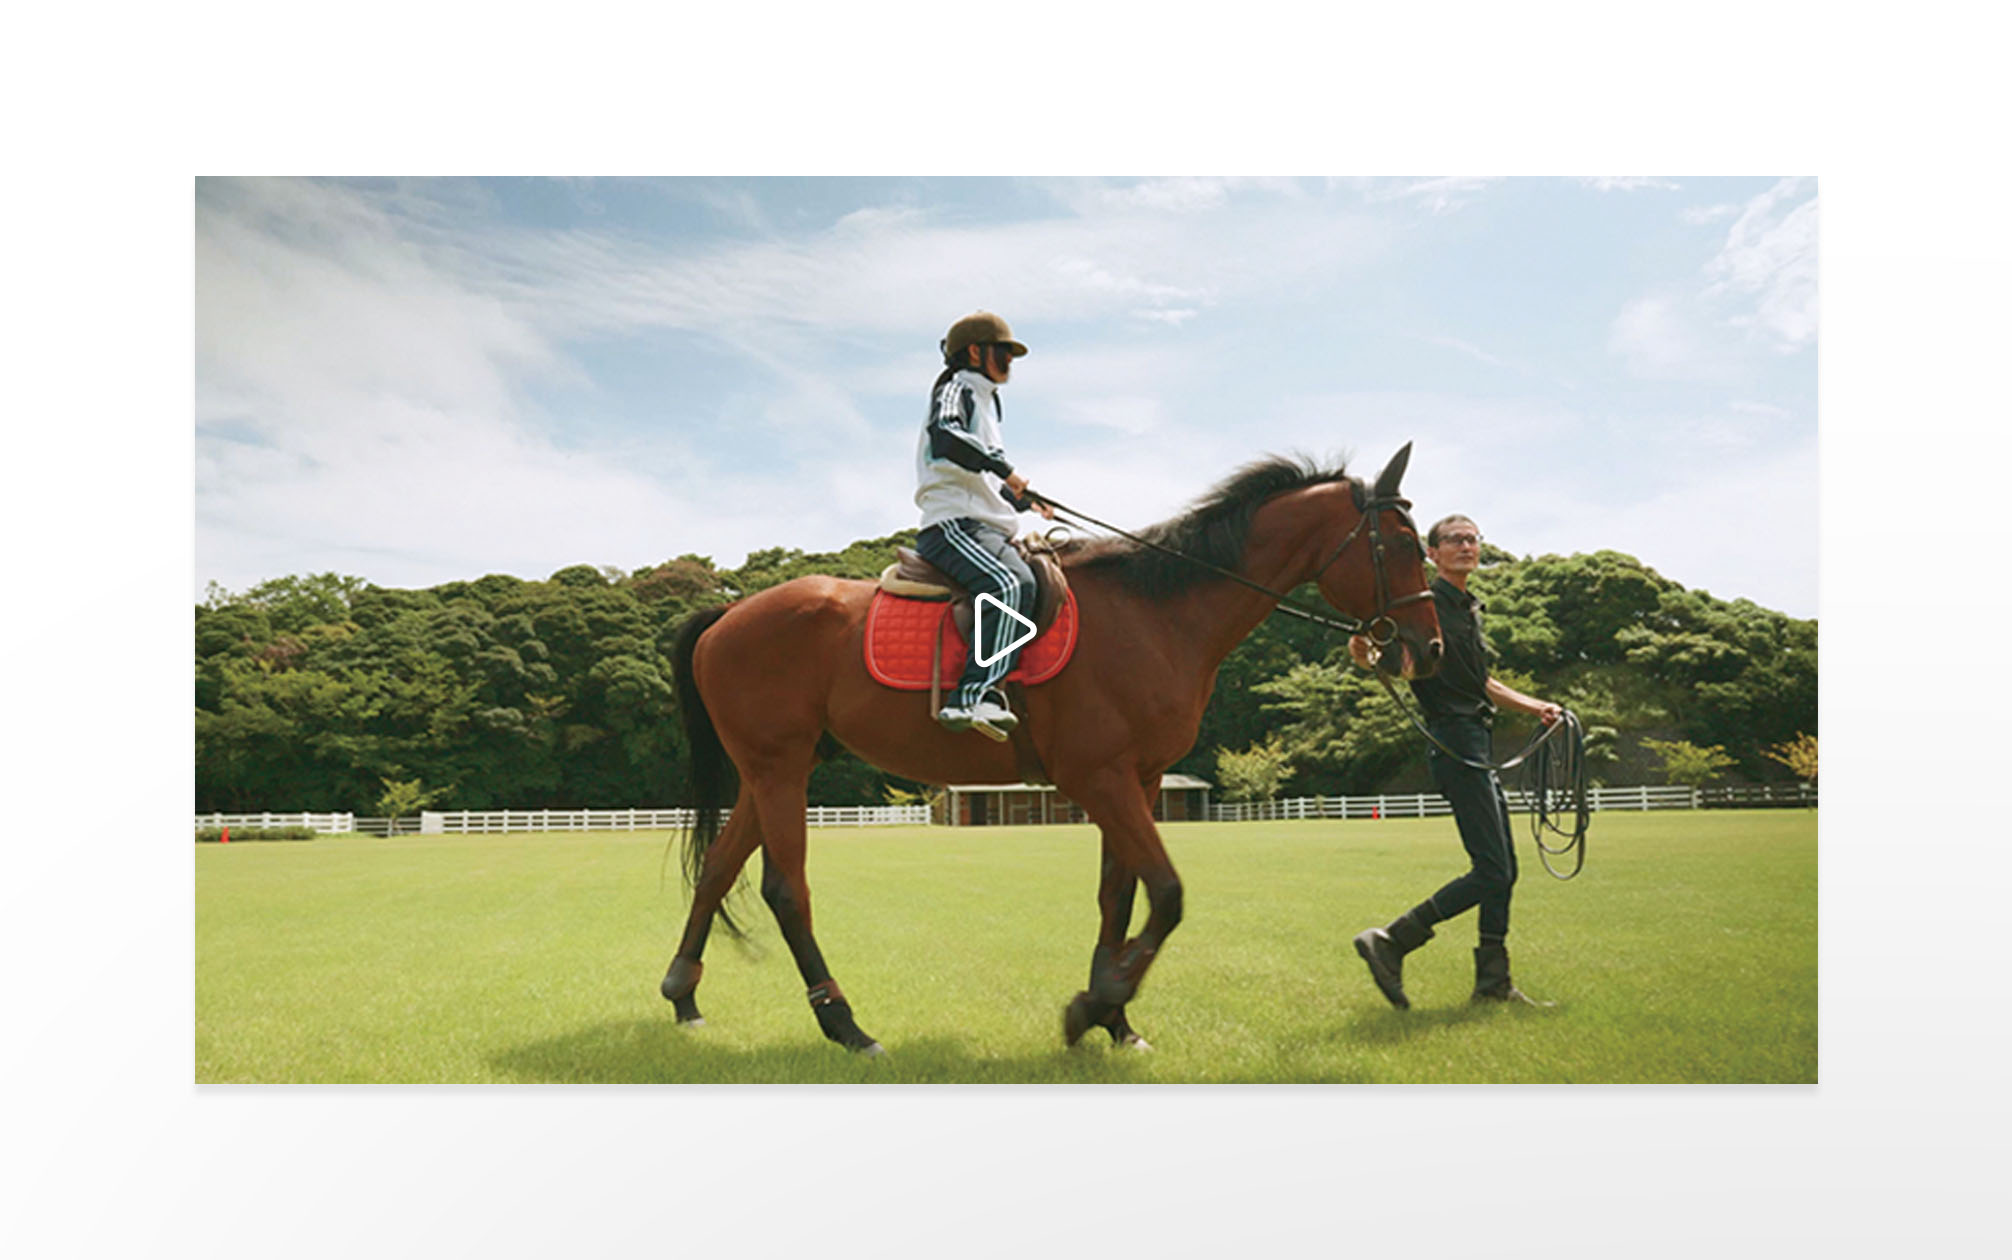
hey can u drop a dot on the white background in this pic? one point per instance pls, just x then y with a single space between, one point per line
111 114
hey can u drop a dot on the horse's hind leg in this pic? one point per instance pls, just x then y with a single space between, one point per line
737 840
787 892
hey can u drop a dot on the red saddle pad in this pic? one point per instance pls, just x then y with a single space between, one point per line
899 634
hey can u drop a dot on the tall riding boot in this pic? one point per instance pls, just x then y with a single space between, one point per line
1491 978
1384 950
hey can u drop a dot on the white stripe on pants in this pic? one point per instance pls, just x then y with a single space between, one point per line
1010 590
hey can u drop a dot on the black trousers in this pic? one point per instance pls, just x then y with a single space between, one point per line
983 559
1482 813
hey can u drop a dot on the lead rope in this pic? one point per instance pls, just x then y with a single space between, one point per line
1554 775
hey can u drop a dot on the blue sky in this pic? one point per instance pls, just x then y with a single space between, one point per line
415 381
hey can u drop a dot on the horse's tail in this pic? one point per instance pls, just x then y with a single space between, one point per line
714 781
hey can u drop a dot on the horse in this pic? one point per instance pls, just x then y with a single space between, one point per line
765 682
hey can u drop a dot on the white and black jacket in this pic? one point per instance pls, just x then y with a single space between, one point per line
959 461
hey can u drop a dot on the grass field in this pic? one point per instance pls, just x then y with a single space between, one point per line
1687 951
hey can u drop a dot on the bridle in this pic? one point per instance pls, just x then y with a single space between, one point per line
1381 628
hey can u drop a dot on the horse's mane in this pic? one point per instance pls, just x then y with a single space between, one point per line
1213 530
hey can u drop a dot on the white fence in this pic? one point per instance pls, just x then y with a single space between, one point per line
470 822
1415 805
320 822
1431 804
368 826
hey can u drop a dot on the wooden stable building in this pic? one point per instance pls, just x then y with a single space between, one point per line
1183 798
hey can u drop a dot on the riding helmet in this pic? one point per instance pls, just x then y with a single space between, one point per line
977 329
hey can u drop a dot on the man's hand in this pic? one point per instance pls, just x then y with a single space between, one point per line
1359 650
1548 713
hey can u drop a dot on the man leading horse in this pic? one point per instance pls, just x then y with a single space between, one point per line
1460 702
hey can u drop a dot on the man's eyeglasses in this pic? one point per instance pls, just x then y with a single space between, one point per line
1460 540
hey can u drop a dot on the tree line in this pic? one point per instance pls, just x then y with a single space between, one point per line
324 692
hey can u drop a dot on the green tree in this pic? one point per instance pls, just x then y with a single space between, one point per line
404 797
1798 754
1341 729
1688 764
295 603
1255 773
1565 609
312 691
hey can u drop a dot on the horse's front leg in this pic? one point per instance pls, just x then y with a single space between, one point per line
1115 892
1133 855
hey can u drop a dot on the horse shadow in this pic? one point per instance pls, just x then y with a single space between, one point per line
654 1051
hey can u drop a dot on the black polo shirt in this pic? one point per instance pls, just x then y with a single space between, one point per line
1460 688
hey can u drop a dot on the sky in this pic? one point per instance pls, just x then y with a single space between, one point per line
415 381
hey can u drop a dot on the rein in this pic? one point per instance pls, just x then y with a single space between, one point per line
1550 774
1380 629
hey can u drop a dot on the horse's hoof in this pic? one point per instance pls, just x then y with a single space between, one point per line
1133 1041
696 1021
871 1050
688 1010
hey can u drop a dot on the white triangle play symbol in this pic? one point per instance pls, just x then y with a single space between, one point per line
1020 636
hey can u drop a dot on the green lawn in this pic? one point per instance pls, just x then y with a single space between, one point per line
1686 951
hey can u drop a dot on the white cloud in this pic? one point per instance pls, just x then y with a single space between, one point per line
1709 214
1185 195
1768 410
359 407
1439 196
1759 290
1627 183
1662 337
1770 257
366 364
363 362
896 271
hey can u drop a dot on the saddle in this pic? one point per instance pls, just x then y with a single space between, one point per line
912 577
919 626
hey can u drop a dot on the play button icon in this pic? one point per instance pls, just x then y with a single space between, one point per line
1021 633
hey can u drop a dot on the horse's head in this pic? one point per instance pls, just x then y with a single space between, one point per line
1376 574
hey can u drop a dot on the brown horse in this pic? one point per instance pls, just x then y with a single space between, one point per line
763 681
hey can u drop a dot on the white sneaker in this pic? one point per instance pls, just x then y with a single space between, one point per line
988 717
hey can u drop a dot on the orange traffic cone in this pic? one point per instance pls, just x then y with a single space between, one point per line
226 837
1375 812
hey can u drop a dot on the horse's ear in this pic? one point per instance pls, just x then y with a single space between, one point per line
1393 472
